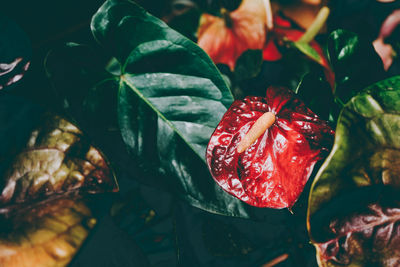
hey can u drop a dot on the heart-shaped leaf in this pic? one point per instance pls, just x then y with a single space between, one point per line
162 92
354 62
316 93
353 213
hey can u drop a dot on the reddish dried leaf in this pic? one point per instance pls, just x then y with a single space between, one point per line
366 238
353 210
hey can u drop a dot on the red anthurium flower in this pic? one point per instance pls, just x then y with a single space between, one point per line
225 39
285 30
272 170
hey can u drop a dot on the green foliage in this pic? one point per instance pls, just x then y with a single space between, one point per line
248 65
317 95
354 62
356 190
159 90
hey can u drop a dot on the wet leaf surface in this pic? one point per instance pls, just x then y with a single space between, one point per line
162 93
353 211
274 169
355 63
317 95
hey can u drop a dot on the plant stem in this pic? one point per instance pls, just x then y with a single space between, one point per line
227 18
269 19
276 261
316 26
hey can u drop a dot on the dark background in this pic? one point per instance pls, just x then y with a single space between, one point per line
179 235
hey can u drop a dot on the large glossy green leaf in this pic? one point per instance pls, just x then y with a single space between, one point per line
354 62
144 44
316 93
159 90
354 203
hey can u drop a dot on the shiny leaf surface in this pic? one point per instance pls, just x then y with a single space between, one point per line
355 63
317 95
273 171
166 94
353 213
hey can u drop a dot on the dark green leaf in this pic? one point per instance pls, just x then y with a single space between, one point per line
185 23
355 63
317 95
225 240
151 228
306 49
143 44
295 67
354 205
170 97
85 85
248 65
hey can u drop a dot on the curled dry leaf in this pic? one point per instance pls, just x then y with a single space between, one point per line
15 52
366 238
225 39
12 72
354 208
42 215
57 159
48 235
273 171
